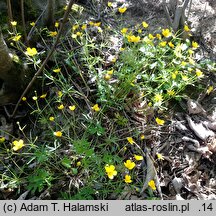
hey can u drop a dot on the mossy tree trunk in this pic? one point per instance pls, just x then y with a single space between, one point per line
11 75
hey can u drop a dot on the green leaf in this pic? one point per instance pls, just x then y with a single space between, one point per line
66 162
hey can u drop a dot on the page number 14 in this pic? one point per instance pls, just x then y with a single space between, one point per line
207 207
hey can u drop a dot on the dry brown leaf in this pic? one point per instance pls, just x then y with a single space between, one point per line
194 107
198 128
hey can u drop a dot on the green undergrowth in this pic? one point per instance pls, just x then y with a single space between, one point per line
82 142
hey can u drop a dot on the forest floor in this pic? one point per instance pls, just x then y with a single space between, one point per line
189 168
186 141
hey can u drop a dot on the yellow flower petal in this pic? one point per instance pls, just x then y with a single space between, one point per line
160 121
35 98
138 157
72 108
122 10
195 44
166 32
160 156
129 164
96 108
124 30
130 140
151 184
110 170
43 95
2 139
53 33
57 70
18 144
109 4
127 179
210 89
186 28
13 23
31 51
61 107
58 134
145 24
51 118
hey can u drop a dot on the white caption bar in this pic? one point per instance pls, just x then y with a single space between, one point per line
109 207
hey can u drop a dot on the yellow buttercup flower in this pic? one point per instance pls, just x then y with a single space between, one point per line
151 184
109 4
75 27
183 63
74 36
124 30
16 38
186 28
58 134
160 121
110 72
151 36
2 139
195 44
13 23
110 170
91 23
199 73
32 23
84 26
57 70
59 93
174 74
97 24
31 51
210 89
145 24
43 95
17 145
127 179
34 98
138 157
133 38
78 34
53 33
24 98
72 108
170 92
171 44
184 77
51 118
107 77
78 163
130 140
158 36
122 10
160 156
190 51
61 107
56 24
166 32
139 31
142 136
96 108
158 98
129 164
163 43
